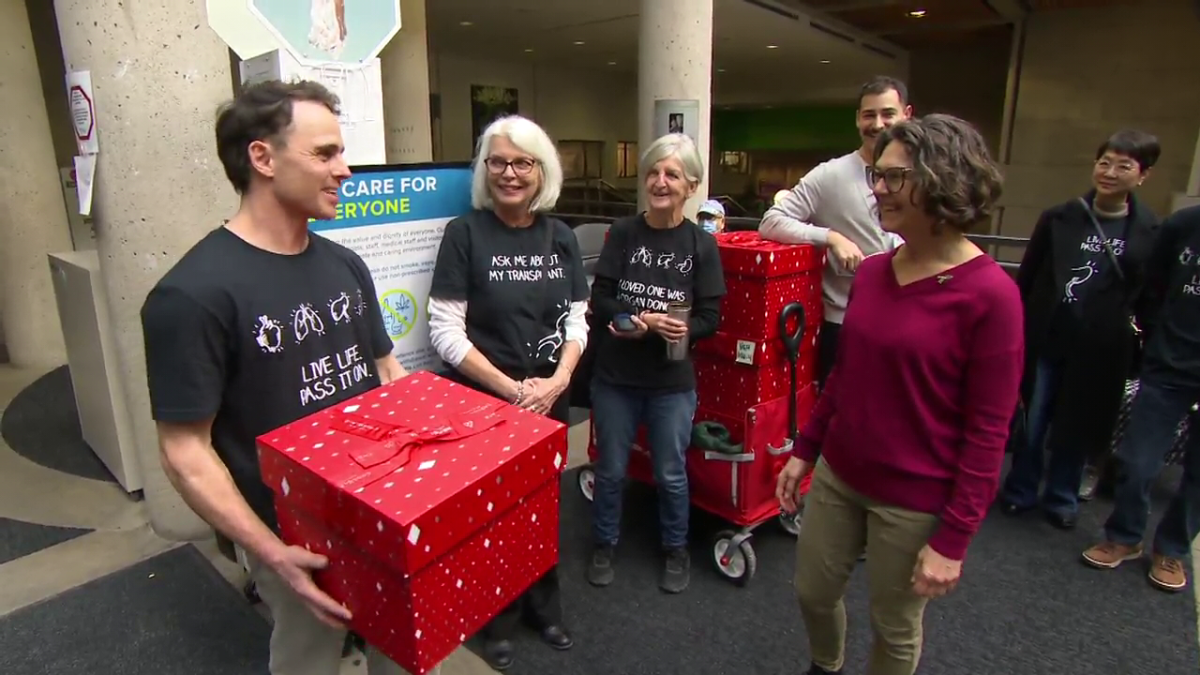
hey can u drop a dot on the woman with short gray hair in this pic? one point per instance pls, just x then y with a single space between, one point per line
658 288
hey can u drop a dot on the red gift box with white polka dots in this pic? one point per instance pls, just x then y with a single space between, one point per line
748 254
761 277
727 387
436 505
751 306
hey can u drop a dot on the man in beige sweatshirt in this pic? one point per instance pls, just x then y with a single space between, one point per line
833 207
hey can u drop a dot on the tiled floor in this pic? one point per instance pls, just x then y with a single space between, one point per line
32 493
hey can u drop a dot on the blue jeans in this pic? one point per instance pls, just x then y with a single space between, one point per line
618 413
1153 417
1065 470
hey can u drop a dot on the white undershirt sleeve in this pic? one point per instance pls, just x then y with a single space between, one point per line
575 328
448 330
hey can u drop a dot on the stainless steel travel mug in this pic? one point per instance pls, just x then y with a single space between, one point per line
680 311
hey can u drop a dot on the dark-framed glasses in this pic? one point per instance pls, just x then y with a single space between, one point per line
1119 168
520 166
893 178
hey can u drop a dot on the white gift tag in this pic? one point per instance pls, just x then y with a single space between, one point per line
745 352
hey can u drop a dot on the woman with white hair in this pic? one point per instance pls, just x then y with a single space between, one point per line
649 263
506 314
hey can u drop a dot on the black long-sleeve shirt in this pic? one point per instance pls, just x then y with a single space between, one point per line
1169 307
644 269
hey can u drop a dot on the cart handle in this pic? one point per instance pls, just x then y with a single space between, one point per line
791 341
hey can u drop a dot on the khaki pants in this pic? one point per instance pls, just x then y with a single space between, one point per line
839 524
300 643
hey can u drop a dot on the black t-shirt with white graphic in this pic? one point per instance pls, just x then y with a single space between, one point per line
518 284
1093 259
1173 292
256 340
1090 264
653 268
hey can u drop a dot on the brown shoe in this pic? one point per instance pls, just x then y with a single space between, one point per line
1168 573
1109 555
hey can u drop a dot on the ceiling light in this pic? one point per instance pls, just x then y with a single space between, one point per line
465 23
720 70
529 51
578 42
772 46
612 63
824 60
917 13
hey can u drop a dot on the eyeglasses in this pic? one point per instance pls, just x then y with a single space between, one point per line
893 178
521 166
1119 168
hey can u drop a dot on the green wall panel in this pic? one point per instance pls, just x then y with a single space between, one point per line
798 128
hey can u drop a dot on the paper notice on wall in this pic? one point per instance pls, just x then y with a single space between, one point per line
677 116
85 177
83 111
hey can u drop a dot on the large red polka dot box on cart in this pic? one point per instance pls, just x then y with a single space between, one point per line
436 505
744 363
761 277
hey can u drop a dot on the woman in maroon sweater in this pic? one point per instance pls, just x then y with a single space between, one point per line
912 423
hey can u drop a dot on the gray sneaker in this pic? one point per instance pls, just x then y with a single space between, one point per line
600 571
676 571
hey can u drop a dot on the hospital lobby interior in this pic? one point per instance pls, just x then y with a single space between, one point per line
104 570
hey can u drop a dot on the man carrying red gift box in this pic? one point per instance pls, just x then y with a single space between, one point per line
262 323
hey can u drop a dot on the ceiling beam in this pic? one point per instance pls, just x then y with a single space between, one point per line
917 28
852 5
1012 10
862 37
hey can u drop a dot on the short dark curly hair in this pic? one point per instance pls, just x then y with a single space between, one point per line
953 172
261 112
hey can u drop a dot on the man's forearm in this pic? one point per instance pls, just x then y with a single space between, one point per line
209 490
779 226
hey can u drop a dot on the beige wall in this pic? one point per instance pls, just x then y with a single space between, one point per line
965 78
1087 73
569 104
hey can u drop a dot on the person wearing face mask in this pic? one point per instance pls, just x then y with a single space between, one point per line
650 261
832 208
912 424
711 216
1081 273
506 314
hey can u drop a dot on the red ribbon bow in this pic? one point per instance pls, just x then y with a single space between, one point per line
395 443
746 239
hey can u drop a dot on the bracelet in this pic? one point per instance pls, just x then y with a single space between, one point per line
520 392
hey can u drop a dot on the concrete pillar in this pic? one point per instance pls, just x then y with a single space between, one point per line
159 73
675 45
405 68
33 216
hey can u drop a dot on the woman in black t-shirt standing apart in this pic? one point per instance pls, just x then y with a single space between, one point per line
506 313
649 262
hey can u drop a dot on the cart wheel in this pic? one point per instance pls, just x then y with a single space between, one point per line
791 522
587 482
736 563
